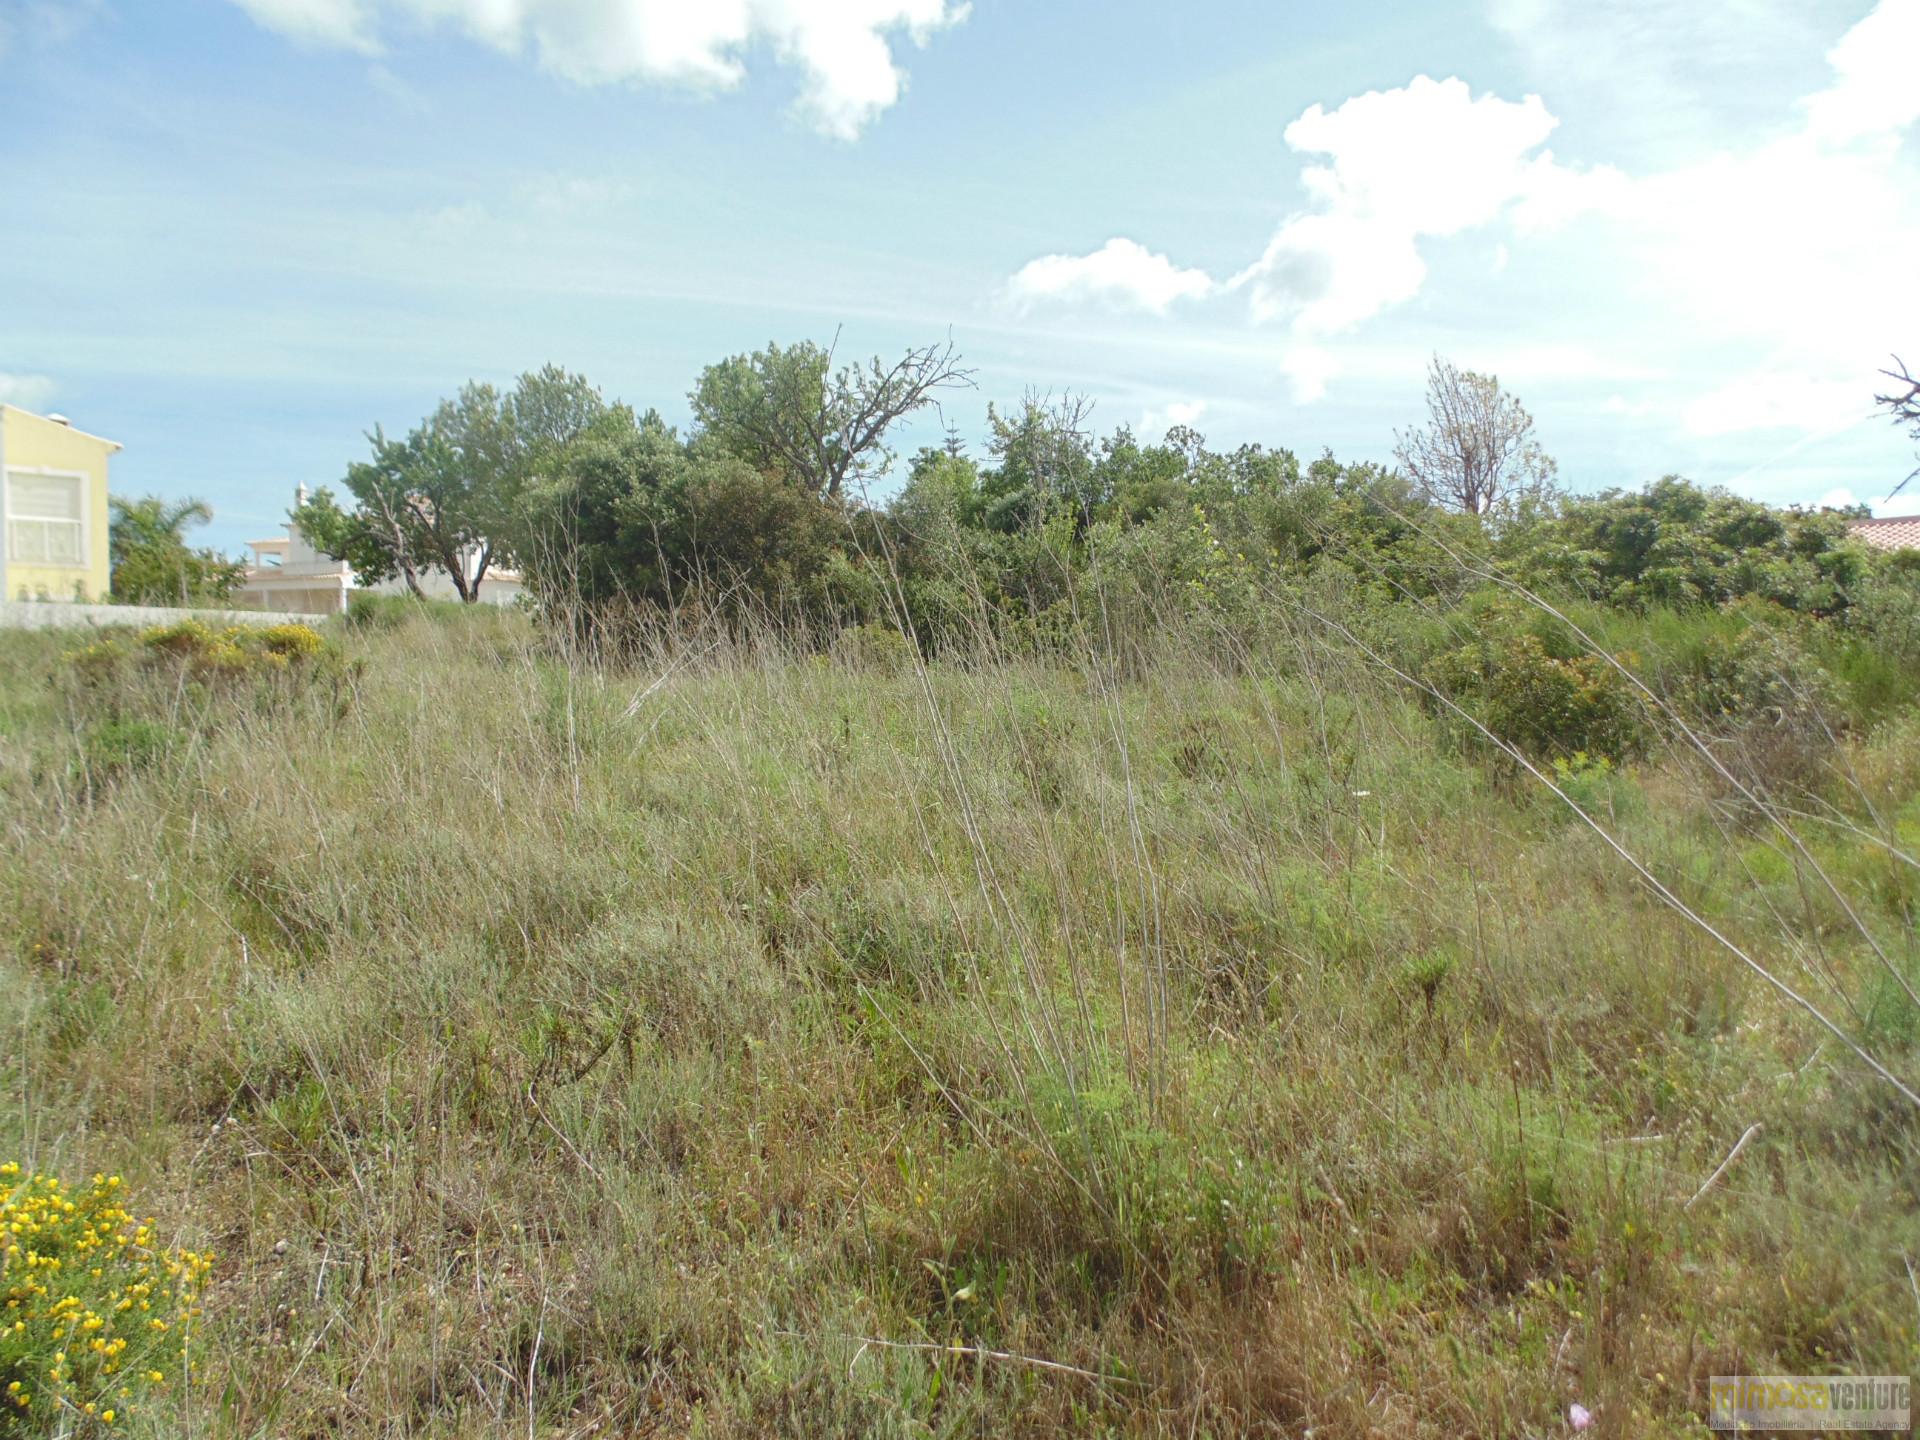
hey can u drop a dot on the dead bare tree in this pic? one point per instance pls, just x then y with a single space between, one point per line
1902 404
1477 450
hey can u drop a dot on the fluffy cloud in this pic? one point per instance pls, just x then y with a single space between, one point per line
1874 90
1786 247
843 48
1427 160
1790 249
1121 274
1176 412
1308 368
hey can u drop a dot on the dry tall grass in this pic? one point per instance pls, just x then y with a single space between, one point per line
727 1039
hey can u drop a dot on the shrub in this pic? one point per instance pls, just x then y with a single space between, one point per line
1764 701
1542 703
391 612
119 745
292 640
204 654
98 1312
878 648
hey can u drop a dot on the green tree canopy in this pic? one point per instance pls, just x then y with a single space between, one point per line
786 412
152 562
452 496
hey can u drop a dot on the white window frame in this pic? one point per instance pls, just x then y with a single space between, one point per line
44 472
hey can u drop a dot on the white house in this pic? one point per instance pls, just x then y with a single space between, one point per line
287 573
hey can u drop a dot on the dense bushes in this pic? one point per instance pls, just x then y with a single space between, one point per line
1766 629
197 651
137 695
1053 540
1675 543
1547 704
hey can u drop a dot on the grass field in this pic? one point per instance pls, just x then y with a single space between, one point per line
730 1040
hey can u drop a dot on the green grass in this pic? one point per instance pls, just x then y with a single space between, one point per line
711 1043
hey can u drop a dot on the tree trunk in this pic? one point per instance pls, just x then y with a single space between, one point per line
413 580
480 571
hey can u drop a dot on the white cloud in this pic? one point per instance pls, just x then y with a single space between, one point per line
1176 412
347 24
1121 273
843 48
1874 90
1756 285
1841 499
1663 74
1426 160
1308 368
1779 400
29 392
1786 249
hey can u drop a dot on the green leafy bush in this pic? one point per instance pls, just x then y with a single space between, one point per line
1543 703
878 648
119 745
206 654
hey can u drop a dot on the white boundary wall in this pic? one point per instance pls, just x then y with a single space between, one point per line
65 615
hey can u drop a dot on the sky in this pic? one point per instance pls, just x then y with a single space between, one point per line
237 234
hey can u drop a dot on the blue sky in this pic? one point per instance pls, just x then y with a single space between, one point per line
240 232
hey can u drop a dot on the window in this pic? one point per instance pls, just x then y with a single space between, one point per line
46 518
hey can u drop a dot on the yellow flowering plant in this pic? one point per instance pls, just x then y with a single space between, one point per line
98 1314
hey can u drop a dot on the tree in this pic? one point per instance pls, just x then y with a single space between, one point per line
413 512
451 496
152 562
633 515
1045 463
1477 452
1902 404
787 413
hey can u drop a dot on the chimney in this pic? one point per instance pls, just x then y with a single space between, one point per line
299 495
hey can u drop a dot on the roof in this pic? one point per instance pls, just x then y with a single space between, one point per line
1892 532
65 425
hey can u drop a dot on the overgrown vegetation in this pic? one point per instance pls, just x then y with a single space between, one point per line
1155 1016
1123 939
152 562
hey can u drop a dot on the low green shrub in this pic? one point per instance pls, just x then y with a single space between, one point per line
120 745
1543 703
193 650
874 647
390 612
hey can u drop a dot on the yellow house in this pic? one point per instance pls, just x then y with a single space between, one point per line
53 496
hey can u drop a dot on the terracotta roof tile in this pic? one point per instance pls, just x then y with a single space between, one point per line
1894 532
